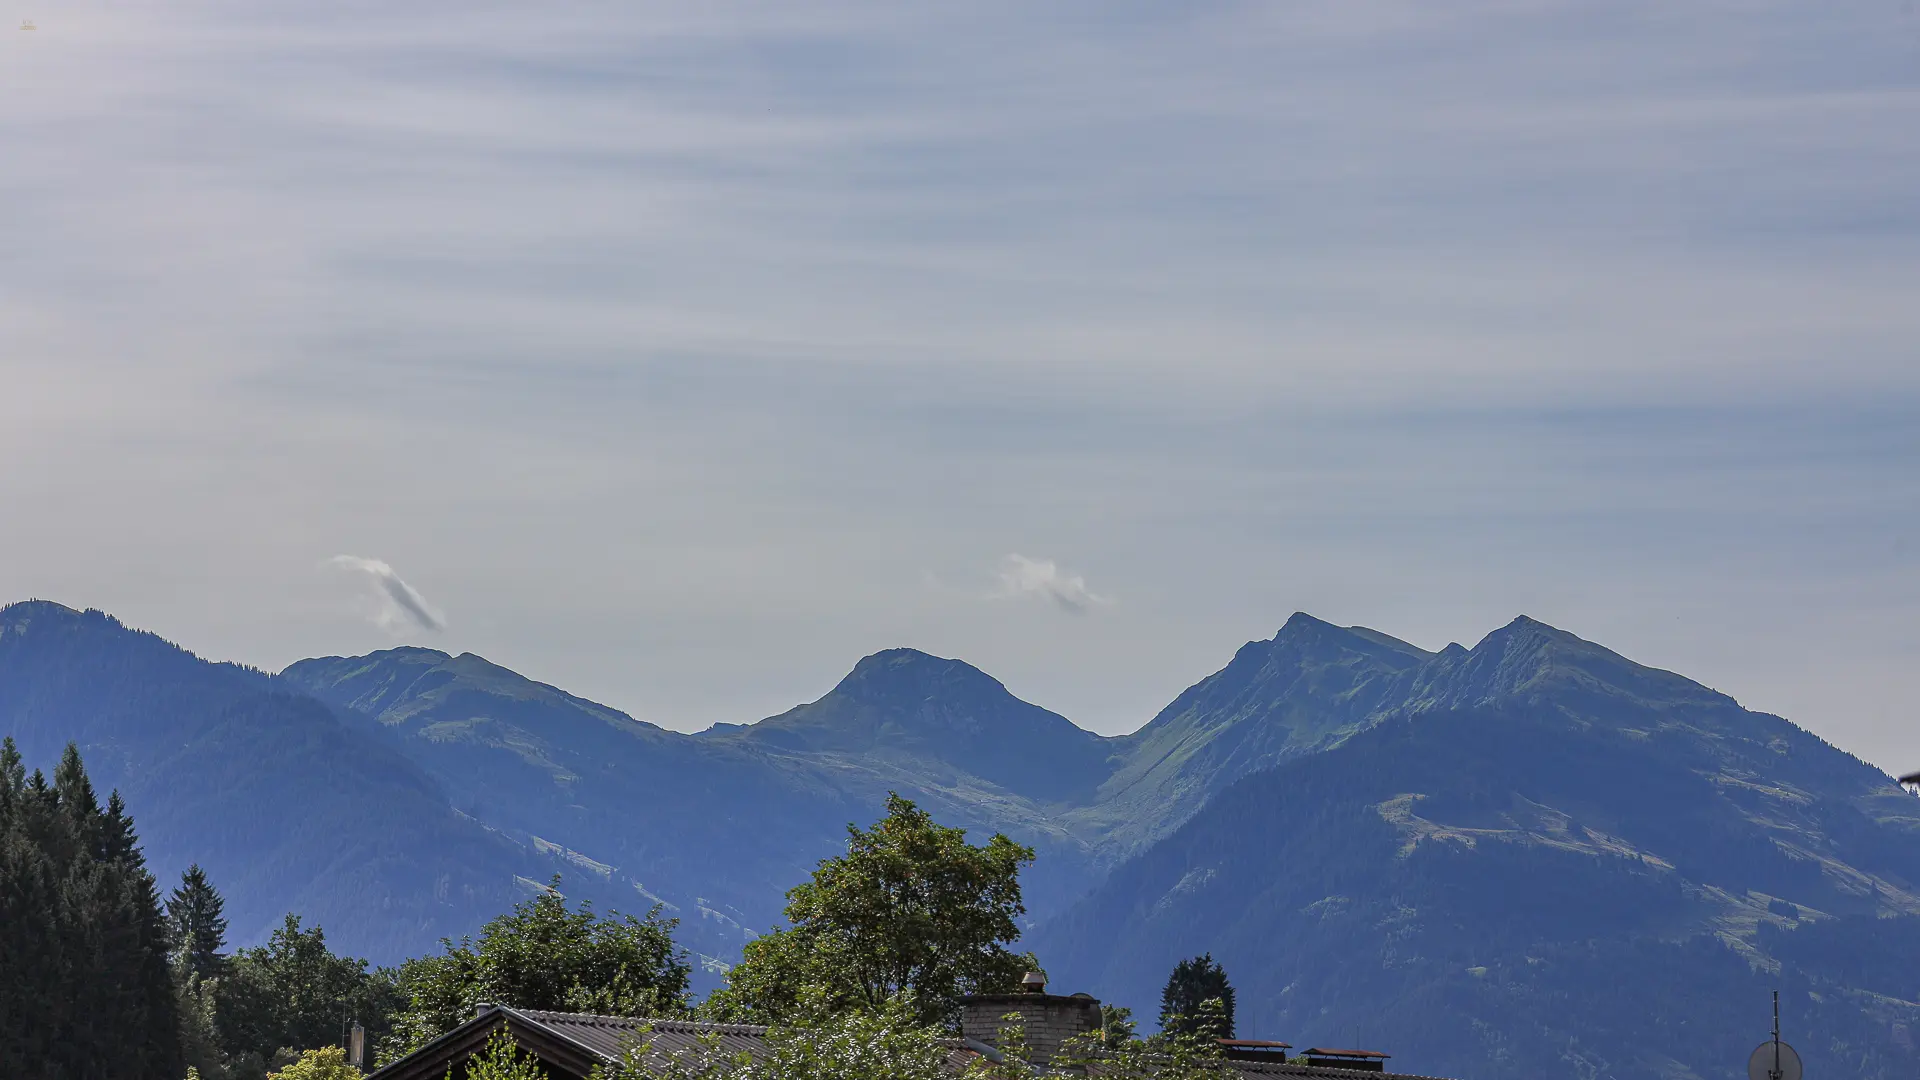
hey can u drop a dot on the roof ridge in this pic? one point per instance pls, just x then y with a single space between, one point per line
606 1020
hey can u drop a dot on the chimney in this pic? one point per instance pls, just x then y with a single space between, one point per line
1047 1020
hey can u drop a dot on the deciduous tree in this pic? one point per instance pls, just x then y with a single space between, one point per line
910 909
545 955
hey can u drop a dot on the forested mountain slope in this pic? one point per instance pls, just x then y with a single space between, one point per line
1310 686
1540 859
1532 857
286 804
719 825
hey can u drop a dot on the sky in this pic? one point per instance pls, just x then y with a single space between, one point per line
681 354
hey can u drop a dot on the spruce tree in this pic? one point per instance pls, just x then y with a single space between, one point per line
196 925
1192 985
82 941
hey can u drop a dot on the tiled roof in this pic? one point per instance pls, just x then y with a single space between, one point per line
606 1038
609 1036
1322 1072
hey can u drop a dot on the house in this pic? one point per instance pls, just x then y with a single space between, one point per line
570 1045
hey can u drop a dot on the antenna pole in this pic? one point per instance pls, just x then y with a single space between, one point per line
1774 1073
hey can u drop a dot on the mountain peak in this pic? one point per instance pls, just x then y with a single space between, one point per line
911 703
1300 623
1305 632
1528 658
907 676
28 607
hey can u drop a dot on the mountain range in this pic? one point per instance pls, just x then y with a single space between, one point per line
1531 857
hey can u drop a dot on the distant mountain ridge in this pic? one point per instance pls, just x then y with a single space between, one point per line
1368 832
718 825
905 703
1310 686
1536 857
289 806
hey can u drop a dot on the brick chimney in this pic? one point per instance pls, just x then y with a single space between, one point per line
1048 1020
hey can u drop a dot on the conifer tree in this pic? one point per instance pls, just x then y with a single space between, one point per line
1193 984
196 924
82 941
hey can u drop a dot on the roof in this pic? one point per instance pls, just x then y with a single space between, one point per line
573 1043
609 1036
1255 1044
569 1042
1348 1053
1318 1072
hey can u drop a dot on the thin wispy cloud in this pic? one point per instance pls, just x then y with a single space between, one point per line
722 320
1021 576
398 606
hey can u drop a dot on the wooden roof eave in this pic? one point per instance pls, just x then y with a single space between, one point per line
431 1062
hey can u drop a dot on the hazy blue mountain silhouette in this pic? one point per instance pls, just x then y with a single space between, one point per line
1537 858
905 707
1532 857
1310 686
286 804
717 826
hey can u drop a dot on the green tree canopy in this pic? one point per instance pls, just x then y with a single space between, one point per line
294 993
910 909
545 955
502 1060
893 1043
325 1063
84 988
196 925
889 1043
1193 983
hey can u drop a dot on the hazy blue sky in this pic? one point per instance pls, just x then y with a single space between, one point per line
680 355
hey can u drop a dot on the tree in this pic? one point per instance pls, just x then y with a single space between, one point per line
1114 1052
910 909
326 1063
293 992
544 955
889 1043
83 947
197 1001
196 924
502 1060
1193 983
1117 1024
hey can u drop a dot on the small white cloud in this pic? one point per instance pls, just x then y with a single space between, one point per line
399 606
1021 576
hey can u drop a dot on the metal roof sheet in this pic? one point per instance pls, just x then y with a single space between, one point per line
609 1037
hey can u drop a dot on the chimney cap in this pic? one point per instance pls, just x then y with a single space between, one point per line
1034 982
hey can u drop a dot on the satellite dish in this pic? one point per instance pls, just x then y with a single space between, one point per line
1760 1066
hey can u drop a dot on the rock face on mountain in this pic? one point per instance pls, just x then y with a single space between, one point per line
1529 858
1537 858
